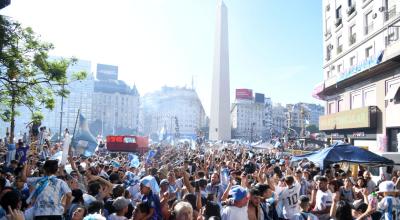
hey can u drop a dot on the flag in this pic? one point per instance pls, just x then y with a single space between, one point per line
134 161
162 134
84 143
151 154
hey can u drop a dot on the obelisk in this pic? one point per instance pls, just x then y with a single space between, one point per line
220 120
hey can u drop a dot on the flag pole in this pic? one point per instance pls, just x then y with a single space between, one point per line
73 135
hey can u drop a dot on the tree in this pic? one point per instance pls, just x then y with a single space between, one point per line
27 76
312 129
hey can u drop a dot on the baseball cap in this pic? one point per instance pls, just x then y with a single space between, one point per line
272 161
387 186
120 203
237 193
282 162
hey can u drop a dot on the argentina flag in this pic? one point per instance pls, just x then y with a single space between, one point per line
84 143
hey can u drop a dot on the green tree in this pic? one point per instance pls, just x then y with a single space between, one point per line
312 129
27 76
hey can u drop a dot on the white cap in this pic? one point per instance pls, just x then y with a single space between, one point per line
387 186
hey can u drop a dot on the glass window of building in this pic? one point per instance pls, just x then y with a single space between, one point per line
369 24
331 107
352 60
369 97
356 100
340 105
368 52
352 34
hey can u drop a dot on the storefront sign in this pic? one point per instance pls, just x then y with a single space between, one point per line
357 118
365 64
358 134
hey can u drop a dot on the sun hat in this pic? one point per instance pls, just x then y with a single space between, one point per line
387 186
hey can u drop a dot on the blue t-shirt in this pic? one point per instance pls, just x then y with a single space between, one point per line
154 202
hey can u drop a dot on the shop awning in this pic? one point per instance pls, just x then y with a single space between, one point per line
392 92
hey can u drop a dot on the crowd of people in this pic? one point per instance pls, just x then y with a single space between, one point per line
211 181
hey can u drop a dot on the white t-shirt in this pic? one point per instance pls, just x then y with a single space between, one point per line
323 200
304 216
234 213
48 202
391 211
290 197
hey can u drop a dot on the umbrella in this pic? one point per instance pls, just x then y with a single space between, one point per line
344 153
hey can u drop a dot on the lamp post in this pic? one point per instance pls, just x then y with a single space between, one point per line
61 113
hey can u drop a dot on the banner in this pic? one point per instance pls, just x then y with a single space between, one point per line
65 146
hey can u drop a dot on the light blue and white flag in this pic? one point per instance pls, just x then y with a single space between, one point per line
84 143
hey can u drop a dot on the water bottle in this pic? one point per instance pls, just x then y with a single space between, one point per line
372 199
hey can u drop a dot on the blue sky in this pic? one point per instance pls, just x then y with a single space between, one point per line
275 45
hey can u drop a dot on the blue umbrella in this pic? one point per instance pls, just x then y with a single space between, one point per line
344 153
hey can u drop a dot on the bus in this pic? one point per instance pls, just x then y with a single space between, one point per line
127 143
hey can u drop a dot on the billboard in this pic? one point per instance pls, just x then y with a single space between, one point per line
105 72
244 94
259 98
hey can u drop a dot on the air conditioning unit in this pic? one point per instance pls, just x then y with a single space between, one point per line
374 15
381 9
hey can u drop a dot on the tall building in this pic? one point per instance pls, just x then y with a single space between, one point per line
80 97
361 73
172 112
251 116
220 128
115 104
279 125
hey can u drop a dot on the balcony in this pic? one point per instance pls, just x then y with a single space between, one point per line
352 39
369 28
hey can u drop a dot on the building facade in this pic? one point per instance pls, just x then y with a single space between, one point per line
115 108
279 121
171 112
361 73
251 116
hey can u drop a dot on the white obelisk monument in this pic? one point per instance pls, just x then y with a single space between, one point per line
220 117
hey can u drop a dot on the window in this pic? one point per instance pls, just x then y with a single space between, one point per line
352 60
368 52
339 68
369 97
350 2
369 24
339 44
331 107
340 105
352 34
356 100
338 16
339 12
328 52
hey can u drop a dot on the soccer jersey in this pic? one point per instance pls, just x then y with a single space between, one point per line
289 198
390 207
